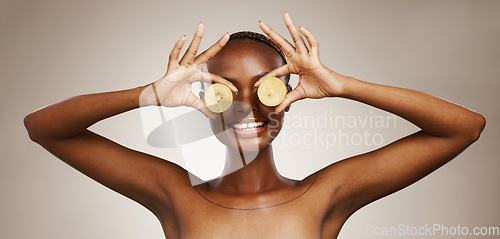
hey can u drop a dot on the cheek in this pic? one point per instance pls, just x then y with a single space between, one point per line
221 132
275 123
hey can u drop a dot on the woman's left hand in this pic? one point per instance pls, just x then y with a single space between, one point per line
315 80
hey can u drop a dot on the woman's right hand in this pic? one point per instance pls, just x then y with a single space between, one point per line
174 89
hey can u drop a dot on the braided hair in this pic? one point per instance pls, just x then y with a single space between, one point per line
260 38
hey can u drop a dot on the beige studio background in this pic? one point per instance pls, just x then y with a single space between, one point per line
52 50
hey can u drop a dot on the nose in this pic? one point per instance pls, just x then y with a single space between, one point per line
243 108
245 103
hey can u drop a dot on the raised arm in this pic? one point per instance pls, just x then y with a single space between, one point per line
446 129
62 129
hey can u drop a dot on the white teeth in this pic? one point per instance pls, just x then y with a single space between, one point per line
248 126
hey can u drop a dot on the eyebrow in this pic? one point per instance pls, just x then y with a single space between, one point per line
256 77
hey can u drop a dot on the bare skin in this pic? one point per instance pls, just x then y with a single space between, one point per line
255 201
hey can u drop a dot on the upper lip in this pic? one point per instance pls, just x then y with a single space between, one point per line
249 120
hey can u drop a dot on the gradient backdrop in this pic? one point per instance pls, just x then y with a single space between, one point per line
51 50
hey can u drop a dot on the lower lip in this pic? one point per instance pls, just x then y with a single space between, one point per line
250 133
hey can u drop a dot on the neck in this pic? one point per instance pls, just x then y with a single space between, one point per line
257 176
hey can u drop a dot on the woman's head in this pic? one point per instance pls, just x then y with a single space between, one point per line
245 58
262 39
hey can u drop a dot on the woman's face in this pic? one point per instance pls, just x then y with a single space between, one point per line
248 124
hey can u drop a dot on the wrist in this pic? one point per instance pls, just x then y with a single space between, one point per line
352 87
345 84
147 95
337 83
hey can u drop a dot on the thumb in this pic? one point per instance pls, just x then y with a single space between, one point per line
278 72
292 96
200 105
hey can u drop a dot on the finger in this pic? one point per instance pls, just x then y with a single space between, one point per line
193 47
300 45
282 43
291 97
213 78
278 72
313 43
207 55
173 59
200 105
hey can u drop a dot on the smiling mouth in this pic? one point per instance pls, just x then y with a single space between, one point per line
248 126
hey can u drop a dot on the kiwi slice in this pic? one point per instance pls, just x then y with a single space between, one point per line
218 97
271 91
